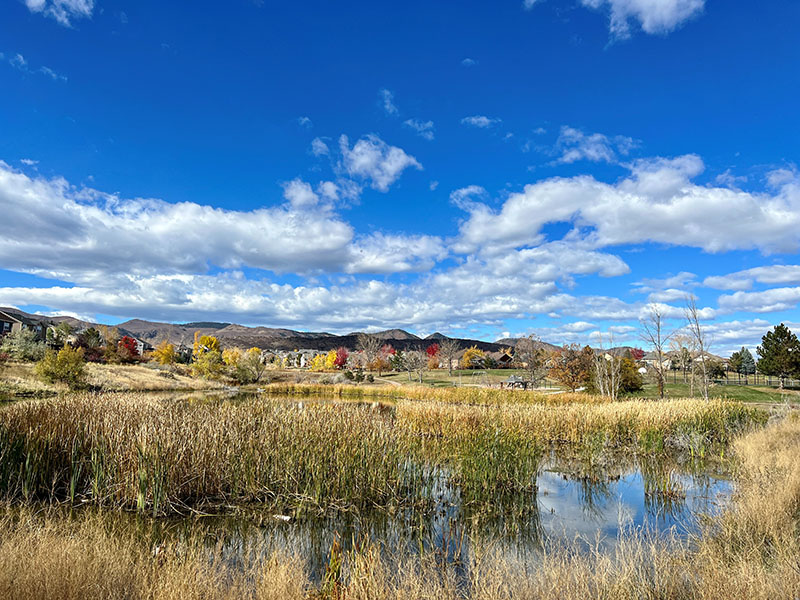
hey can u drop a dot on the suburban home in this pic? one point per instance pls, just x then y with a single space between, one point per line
14 322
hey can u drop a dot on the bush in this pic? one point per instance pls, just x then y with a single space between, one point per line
65 366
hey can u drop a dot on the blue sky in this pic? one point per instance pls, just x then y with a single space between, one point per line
477 168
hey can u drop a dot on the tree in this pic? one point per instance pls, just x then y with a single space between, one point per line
779 354
57 336
698 334
92 342
530 355
448 351
630 380
432 352
64 366
251 367
330 360
207 356
571 366
165 354
748 363
128 349
111 338
341 358
416 362
473 358
22 345
637 354
371 345
655 335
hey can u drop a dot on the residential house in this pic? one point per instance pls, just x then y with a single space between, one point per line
14 322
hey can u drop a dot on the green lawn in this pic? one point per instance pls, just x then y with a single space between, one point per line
731 392
441 378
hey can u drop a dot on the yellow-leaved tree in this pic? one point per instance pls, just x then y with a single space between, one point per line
207 357
165 353
472 358
330 360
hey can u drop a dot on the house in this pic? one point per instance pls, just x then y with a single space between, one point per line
14 322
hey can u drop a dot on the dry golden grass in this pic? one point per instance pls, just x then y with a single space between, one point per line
751 552
133 378
460 395
20 378
141 451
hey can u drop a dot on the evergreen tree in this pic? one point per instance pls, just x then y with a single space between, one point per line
779 353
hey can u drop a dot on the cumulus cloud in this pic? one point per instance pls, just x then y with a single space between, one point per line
84 236
381 253
653 16
772 300
744 280
573 145
63 11
657 202
376 161
424 129
480 121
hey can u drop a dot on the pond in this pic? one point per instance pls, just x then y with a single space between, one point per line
591 496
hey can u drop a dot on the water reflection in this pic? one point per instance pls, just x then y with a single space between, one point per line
572 502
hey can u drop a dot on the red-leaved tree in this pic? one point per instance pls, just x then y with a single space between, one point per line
341 358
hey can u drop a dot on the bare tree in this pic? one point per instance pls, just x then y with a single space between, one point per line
531 357
370 345
680 346
655 334
607 371
700 340
448 350
416 361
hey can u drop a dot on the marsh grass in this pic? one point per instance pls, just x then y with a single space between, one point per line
750 551
454 395
160 455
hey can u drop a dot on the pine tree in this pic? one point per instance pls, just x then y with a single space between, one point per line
779 353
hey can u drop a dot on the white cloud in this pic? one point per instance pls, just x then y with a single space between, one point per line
62 11
319 147
743 280
433 185
305 122
29 162
424 129
463 197
772 300
480 121
299 194
573 145
373 159
18 62
469 62
653 16
528 4
380 253
53 229
387 102
658 202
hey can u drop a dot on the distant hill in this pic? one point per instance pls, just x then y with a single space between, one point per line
512 342
267 338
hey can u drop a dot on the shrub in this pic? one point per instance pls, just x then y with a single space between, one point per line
64 366
23 345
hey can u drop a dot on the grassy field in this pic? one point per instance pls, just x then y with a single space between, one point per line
18 378
738 393
751 551
461 377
